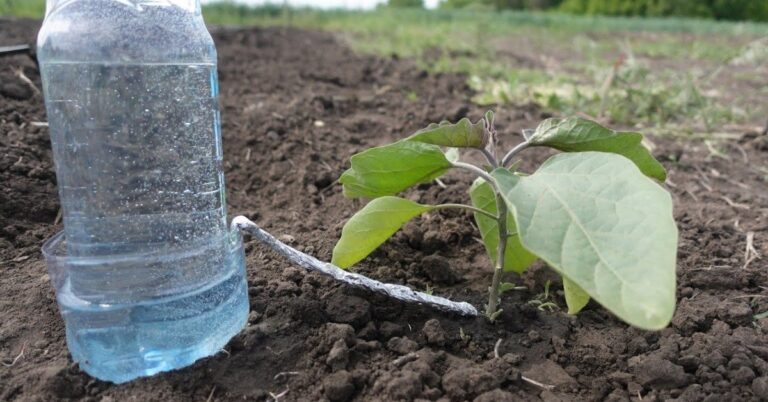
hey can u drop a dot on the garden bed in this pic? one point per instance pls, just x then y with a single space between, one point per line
295 105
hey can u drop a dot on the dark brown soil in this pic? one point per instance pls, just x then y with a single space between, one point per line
296 105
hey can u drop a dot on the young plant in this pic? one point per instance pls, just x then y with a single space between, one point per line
595 213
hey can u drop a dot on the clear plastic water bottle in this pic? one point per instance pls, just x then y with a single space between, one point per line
148 275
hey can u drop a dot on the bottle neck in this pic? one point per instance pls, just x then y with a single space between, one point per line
192 6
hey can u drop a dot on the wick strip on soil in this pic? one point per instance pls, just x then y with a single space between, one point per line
399 292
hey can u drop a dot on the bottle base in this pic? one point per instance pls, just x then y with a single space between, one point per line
124 341
156 360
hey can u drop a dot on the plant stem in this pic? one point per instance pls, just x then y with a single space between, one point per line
490 158
468 208
511 154
501 250
476 170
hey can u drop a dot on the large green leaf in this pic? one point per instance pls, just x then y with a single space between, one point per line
578 135
575 297
373 225
390 169
516 257
597 220
463 134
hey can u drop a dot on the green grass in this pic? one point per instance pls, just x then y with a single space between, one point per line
493 22
661 81
22 8
662 99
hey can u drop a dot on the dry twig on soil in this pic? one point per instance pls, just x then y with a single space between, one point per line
17 358
277 397
210 396
733 203
280 375
538 384
20 73
750 252
402 360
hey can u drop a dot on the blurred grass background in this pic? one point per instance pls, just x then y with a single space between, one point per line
673 75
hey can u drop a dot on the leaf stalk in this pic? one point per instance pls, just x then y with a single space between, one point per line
480 172
490 158
468 208
513 152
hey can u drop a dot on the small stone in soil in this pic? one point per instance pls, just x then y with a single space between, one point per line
366 346
292 274
333 332
285 288
254 317
15 90
390 329
503 369
658 373
735 314
742 376
713 359
468 382
402 345
693 392
423 367
433 240
431 394
760 387
368 332
338 357
497 395
438 269
689 362
404 386
414 234
434 332
286 238
512 358
550 373
618 395
339 386
348 310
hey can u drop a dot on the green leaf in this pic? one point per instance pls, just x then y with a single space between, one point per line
373 225
597 220
516 257
575 134
390 169
505 287
463 134
489 117
575 297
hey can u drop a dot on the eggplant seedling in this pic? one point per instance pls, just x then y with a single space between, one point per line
595 212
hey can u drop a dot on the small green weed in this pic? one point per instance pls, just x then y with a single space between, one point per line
543 301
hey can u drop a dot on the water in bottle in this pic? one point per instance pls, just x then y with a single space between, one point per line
148 275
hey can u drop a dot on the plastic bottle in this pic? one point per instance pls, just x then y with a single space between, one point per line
148 275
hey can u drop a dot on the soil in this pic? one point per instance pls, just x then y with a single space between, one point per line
296 104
